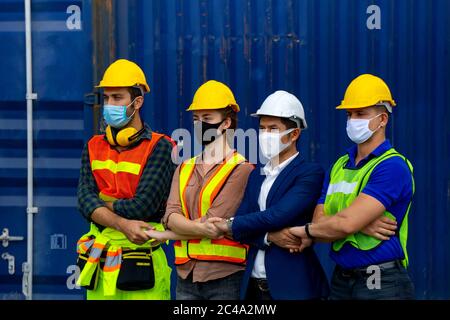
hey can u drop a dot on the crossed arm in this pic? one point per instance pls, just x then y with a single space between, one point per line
182 228
364 214
324 229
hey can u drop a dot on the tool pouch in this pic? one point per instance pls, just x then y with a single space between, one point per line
136 271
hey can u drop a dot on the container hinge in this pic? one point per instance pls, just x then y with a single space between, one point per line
11 262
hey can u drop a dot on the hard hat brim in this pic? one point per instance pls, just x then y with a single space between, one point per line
267 114
257 115
358 106
193 107
112 85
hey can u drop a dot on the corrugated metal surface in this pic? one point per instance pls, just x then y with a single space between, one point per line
312 48
62 74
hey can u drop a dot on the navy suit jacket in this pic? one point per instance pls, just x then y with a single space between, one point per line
290 202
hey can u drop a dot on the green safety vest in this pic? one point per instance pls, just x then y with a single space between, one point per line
346 184
112 241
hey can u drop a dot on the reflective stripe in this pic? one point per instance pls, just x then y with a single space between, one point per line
186 170
216 182
342 187
84 245
217 250
220 258
180 248
95 254
105 197
113 260
123 166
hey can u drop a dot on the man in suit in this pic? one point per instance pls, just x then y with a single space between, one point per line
287 190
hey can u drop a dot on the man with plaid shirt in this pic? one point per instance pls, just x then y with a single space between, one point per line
124 183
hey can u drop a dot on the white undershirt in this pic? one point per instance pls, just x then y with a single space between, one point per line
259 269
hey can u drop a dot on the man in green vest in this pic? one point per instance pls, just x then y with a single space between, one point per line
365 203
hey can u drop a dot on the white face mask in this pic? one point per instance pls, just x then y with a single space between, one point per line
358 129
270 143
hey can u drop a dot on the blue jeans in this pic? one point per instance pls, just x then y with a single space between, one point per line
394 284
227 288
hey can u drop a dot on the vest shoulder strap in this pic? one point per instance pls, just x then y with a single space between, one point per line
339 164
155 139
97 140
186 170
376 161
216 182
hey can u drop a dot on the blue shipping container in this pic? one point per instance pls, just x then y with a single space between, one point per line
312 48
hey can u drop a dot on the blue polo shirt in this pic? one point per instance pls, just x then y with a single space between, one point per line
391 184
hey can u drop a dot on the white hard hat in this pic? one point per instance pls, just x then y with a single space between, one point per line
282 104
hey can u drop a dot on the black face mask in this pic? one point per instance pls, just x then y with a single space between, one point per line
202 134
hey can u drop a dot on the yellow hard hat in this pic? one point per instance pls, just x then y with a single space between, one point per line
366 91
213 95
124 73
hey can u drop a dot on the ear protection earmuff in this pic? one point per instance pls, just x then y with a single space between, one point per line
122 137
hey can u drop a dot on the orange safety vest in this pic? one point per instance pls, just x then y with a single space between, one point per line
117 174
225 250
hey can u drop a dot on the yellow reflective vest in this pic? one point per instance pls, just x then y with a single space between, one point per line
225 250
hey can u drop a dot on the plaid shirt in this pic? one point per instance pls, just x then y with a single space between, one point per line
149 202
